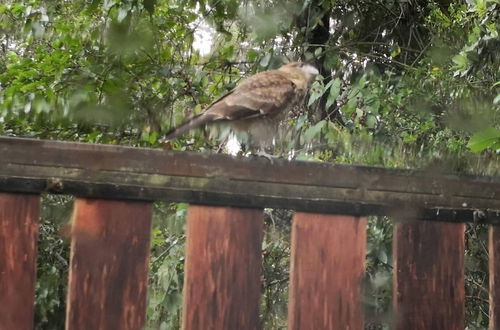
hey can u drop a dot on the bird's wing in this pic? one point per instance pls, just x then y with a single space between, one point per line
264 94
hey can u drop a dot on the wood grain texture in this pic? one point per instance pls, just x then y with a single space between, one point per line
223 267
19 215
102 171
109 264
428 290
328 258
494 276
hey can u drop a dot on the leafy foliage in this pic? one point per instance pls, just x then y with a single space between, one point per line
167 266
52 263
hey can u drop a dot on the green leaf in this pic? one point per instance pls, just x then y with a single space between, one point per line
153 137
396 50
382 256
334 91
460 60
408 137
352 97
228 51
497 99
308 56
313 131
252 55
482 140
264 62
317 91
122 13
371 121
331 60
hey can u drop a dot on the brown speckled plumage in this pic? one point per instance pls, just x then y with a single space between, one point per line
265 96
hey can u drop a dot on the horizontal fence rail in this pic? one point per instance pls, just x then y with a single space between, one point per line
100 171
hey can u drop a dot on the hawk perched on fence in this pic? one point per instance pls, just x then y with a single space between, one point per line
266 96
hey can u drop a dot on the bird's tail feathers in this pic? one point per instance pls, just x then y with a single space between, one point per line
188 125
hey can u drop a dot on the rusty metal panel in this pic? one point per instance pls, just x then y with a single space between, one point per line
109 264
223 267
19 215
428 288
328 258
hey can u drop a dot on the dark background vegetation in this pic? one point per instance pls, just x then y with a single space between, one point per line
403 83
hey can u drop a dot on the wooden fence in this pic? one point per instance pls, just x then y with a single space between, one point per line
115 186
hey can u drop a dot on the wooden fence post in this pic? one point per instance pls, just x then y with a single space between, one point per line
223 267
494 270
18 235
109 264
428 288
328 259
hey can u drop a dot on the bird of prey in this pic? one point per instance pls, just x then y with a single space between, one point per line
265 97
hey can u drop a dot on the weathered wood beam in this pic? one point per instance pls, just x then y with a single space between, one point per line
110 243
428 276
118 172
222 280
326 273
19 215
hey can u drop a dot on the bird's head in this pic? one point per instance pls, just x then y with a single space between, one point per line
305 68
